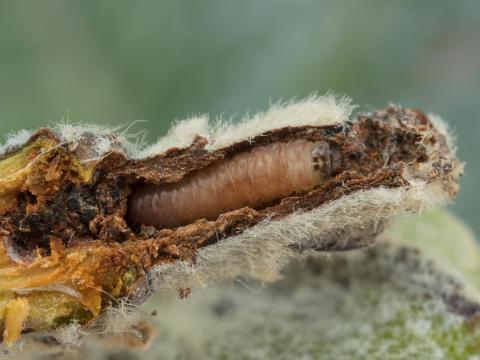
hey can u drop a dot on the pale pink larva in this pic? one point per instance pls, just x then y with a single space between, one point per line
249 179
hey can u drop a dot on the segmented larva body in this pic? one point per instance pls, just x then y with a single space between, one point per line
250 179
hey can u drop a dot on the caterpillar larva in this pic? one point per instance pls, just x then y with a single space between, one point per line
252 179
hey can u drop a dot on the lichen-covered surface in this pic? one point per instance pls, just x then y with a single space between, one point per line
69 249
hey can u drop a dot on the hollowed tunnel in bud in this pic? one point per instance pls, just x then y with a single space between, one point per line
81 226
249 179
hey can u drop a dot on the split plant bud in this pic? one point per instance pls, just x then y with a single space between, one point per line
86 219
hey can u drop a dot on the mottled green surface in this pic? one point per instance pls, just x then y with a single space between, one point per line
364 317
444 238
115 61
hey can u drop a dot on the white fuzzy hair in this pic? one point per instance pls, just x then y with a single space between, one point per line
15 139
313 110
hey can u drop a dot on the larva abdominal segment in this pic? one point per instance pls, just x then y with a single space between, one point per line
249 179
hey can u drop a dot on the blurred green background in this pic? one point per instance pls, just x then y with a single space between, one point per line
112 62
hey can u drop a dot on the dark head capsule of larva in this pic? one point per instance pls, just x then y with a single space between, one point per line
253 179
